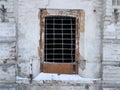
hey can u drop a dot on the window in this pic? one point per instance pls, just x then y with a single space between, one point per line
59 40
115 2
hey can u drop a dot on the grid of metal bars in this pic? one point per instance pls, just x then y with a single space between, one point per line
60 39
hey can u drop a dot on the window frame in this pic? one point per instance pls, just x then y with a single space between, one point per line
78 14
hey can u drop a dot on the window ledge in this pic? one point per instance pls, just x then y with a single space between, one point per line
47 78
56 79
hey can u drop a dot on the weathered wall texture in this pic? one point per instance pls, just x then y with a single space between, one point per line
29 36
82 87
99 44
29 33
111 45
7 45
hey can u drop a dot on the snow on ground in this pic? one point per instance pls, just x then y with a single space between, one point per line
61 77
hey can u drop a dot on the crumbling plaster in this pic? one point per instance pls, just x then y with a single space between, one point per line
99 62
29 34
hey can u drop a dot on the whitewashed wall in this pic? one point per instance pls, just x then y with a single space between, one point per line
29 33
99 43
111 46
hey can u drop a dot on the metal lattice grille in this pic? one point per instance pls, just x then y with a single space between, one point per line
60 39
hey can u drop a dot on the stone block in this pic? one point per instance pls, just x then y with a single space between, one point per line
106 22
118 33
110 32
111 52
7 30
108 19
8 87
7 73
58 88
111 73
8 4
111 88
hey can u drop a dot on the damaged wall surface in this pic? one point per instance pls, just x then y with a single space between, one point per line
99 49
29 34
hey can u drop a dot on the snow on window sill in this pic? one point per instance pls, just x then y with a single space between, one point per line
48 78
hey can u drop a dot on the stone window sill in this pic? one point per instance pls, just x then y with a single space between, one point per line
62 79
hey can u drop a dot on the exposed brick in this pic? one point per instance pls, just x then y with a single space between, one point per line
6 51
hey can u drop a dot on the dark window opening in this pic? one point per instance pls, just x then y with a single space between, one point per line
60 39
